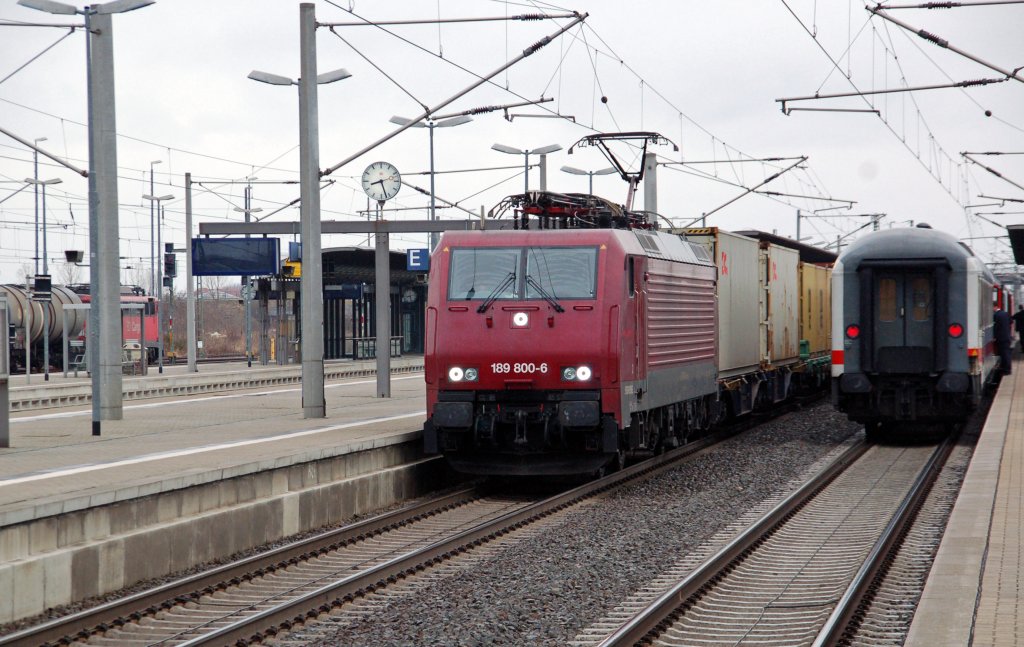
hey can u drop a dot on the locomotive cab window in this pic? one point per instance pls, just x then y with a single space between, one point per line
563 272
477 273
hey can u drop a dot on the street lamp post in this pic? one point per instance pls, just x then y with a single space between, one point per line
156 200
152 232
35 189
591 174
46 272
543 150
104 315
311 283
431 124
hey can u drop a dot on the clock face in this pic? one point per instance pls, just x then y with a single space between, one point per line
381 181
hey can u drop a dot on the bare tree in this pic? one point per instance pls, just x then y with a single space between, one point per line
71 273
135 274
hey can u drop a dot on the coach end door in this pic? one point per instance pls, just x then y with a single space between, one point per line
904 322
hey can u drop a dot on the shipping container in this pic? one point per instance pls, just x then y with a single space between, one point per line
816 309
739 298
780 343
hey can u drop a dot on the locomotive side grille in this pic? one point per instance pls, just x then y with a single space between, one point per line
680 315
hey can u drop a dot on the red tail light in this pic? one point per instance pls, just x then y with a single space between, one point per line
853 331
955 330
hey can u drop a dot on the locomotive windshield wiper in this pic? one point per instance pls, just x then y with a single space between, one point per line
533 283
508 280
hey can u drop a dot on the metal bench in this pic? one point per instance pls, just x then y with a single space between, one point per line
366 347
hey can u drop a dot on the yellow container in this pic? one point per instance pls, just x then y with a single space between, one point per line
816 307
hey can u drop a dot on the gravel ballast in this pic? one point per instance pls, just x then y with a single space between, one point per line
545 590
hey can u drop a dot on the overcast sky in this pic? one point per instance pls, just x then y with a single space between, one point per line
706 75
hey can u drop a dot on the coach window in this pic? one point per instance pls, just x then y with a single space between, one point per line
887 300
921 289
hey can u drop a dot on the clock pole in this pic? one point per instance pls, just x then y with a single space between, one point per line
381 182
382 275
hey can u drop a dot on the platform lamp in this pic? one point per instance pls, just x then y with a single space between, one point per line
104 316
577 171
159 282
431 125
46 273
314 404
543 150
35 190
152 230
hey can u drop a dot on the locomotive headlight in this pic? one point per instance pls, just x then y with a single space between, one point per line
459 374
576 373
520 319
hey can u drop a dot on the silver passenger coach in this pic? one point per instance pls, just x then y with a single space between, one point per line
912 337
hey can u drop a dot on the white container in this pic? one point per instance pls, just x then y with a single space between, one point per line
739 298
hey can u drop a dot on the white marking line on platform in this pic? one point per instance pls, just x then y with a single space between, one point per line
199 450
72 414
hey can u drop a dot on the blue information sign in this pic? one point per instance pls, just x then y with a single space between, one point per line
417 260
236 256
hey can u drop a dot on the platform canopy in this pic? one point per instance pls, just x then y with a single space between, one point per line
1016 233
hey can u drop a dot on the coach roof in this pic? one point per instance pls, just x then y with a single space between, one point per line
907 243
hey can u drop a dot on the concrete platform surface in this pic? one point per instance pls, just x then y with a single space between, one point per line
182 481
54 464
974 594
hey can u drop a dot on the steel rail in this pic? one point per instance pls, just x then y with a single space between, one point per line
113 614
851 601
308 606
121 612
651 618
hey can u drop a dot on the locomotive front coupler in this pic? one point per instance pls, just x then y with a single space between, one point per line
520 438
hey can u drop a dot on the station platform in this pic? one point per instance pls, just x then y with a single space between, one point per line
975 590
35 392
183 480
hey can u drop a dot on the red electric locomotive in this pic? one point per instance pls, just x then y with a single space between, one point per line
558 347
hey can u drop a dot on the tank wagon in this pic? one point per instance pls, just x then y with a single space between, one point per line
27 322
912 334
558 347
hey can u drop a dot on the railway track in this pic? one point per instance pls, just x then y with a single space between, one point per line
798 575
259 597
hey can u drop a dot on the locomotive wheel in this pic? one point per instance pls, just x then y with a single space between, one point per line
619 462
